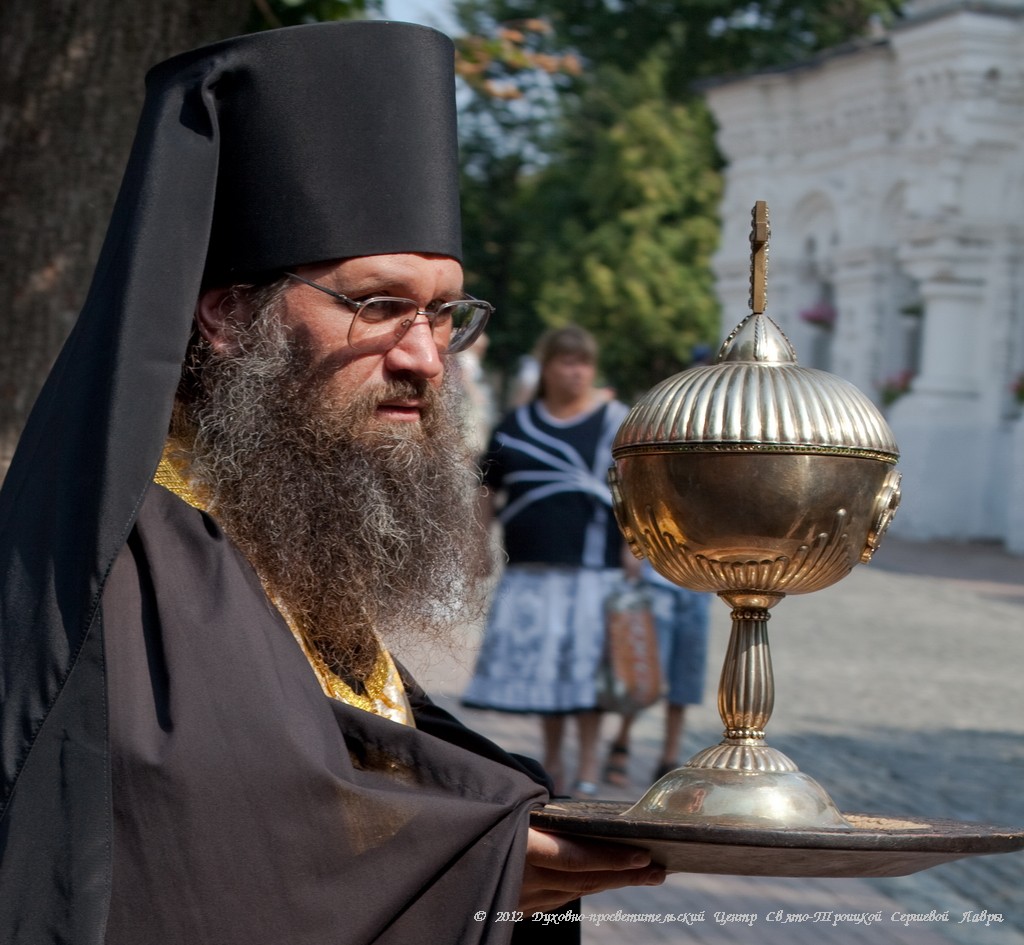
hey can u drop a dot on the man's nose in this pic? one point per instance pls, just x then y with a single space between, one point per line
416 351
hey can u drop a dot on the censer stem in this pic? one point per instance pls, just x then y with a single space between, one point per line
746 692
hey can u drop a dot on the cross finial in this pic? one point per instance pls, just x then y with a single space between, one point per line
760 231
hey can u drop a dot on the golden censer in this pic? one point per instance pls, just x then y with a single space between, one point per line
754 478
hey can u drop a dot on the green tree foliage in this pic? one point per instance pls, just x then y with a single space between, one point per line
505 128
632 202
710 38
592 180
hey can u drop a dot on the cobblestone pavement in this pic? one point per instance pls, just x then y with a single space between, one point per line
899 690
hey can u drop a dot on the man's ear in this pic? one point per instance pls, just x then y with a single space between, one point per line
218 317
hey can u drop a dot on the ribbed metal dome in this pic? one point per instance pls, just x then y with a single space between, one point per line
755 397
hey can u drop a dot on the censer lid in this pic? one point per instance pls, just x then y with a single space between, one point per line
755 397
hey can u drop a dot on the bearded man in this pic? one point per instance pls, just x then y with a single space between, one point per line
209 544
374 533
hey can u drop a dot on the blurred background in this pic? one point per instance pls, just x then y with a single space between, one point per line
612 152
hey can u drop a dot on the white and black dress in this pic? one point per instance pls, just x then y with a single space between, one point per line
545 631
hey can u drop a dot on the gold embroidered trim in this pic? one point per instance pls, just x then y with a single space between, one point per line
170 475
385 692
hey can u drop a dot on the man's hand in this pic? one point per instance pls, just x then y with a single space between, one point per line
559 870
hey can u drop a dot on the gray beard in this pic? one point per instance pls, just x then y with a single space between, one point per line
365 531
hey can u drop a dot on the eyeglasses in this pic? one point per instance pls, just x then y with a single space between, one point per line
381 322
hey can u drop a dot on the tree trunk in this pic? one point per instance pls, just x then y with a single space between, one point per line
71 86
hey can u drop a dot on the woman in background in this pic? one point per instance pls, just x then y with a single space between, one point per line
548 461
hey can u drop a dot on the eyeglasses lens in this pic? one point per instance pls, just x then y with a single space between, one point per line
382 322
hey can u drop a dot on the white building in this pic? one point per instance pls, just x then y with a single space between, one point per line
894 176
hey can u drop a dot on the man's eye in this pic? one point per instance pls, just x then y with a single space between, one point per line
382 310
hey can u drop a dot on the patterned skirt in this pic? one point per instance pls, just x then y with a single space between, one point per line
544 640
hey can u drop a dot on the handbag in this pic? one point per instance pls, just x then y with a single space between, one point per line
629 676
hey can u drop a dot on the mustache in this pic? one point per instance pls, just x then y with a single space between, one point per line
404 389
303 376
356 417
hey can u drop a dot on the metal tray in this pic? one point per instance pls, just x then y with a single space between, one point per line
876 845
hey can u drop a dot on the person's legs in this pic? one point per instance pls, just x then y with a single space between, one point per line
588 728
553 731
675 720
616 768
683 649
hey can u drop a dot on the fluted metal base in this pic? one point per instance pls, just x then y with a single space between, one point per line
743 755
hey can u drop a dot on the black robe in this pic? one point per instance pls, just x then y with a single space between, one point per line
244 805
